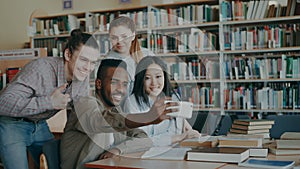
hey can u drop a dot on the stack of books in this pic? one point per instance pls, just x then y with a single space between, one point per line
252 127
253 143
288 144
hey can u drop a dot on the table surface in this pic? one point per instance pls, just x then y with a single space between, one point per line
134 162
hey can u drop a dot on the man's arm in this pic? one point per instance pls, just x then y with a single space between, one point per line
155 115
94 119
22 97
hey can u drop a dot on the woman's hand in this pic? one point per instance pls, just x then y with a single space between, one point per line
109 154
191 133
179 137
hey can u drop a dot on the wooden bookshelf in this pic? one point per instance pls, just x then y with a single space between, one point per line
229 19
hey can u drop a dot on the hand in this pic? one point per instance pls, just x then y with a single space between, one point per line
58 99
191 133
179 137
159 111
109 154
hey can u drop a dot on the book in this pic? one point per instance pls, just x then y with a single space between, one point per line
257 135
253 122
290 136
249 131
264 163
277 151
11 73
203 141
218 154
249 127
240 142
258 152
166 153
292 144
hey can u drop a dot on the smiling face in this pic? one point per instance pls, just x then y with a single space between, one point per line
81 62
113 87
121 38
154 80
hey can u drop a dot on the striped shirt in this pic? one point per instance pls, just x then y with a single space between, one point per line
29 93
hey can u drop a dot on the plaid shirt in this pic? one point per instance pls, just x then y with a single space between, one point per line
29 93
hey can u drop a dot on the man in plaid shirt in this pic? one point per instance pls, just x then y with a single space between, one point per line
44 87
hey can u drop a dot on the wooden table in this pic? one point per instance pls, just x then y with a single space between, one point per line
133 162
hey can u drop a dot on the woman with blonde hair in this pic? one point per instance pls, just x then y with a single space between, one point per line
125 45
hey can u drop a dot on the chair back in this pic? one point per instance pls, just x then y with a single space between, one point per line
51 150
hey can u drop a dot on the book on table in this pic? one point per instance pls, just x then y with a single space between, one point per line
292 144
251 127
240 142
265 163
288 144
290 136
253 122
265 136
253 143
232 130
218 154
283 151
203 141
258 152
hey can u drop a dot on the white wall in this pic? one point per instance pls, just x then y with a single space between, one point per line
15 15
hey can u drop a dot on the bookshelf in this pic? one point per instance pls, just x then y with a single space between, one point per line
98 24
260 59
51 31
221 54
16 59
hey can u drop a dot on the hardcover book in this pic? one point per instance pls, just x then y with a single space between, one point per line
240 142
251 127
218 154
292 144
277 151
254 122
206 141
249 131
290 136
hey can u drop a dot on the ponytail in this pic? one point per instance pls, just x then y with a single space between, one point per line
79 38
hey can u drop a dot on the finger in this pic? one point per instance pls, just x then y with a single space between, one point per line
171 110
63 87
68 98
172 104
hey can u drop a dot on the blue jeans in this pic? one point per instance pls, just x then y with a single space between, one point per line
17 136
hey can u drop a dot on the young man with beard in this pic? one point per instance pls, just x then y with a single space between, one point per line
97 128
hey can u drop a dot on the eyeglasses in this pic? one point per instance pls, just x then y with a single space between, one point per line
122 38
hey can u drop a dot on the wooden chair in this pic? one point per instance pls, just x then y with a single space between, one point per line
50 159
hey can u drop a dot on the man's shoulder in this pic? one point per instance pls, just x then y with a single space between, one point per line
44 61
86 100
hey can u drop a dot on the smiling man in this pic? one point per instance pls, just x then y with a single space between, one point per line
43 88
97 128
85 138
